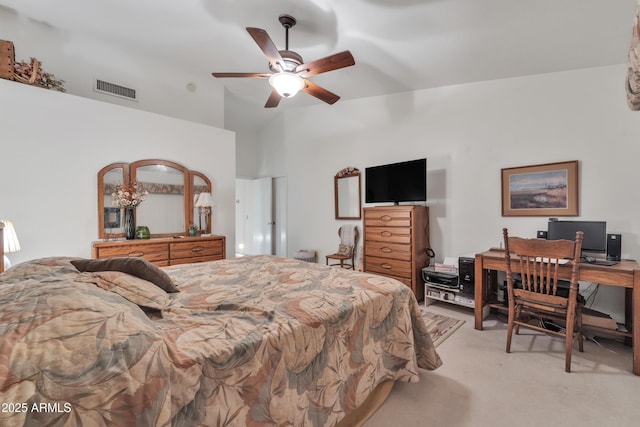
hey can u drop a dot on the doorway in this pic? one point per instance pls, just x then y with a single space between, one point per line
261 216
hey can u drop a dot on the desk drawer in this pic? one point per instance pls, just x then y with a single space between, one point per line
387 218
196 251
388 250
155 253
388 267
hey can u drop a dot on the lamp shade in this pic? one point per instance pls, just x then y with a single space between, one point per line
204 200
286 83
11 243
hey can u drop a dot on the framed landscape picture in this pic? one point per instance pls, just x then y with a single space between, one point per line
549 189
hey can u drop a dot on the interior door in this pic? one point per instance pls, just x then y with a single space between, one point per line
262 221
242 216
280 215
254 216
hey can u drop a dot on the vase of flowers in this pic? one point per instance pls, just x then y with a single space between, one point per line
129 224
129 197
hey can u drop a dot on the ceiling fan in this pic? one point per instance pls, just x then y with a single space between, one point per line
288 70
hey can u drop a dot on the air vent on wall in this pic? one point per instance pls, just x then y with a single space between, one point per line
115 90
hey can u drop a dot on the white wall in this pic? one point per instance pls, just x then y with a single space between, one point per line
53 145
247 153
96 58
468 133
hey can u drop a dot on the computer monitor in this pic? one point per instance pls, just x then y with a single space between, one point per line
595 233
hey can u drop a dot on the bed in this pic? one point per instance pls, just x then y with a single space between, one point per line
251 341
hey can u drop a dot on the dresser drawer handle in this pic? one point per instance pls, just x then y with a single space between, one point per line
386 250
387 266
386 234
197 249
385 218
135 254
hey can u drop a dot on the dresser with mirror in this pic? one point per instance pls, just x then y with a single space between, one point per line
168 211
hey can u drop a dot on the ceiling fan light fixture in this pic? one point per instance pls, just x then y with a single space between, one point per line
286 83
289 74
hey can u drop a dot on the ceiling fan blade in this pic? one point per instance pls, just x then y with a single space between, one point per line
268 47
329 63
320 93
274 99
250 75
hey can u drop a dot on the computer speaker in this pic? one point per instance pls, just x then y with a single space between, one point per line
466 273
614 247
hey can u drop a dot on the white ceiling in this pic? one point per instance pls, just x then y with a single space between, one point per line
398 45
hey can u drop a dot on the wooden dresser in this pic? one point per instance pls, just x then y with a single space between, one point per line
395 240
164 251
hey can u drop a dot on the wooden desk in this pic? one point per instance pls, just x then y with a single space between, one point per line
625 274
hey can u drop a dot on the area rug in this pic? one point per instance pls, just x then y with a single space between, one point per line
440 326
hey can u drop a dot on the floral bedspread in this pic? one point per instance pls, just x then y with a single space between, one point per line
252 341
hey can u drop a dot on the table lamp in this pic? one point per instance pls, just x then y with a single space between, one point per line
204 204
11 243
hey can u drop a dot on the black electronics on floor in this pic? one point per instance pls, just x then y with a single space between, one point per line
614 247
542 234
466 269
440 278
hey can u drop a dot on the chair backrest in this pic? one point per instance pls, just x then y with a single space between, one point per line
348 235
539 262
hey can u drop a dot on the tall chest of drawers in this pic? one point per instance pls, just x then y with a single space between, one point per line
164 251
395 243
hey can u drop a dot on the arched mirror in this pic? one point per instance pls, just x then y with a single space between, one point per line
347 194
168 206
201 215
110 218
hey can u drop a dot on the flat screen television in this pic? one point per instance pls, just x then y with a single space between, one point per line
396 182
593 240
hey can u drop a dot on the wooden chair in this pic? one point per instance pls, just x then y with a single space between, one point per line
538 263
347 249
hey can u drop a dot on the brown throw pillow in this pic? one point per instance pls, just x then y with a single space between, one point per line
138 267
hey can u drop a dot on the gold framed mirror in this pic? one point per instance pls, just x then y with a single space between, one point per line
348 200
110 218
165 210
168 208
200 216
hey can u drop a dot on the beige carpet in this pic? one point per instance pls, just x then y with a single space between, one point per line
440 326
480 384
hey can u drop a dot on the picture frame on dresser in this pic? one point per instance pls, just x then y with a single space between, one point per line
112 218
549 189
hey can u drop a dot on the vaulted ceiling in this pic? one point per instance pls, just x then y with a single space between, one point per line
171 47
